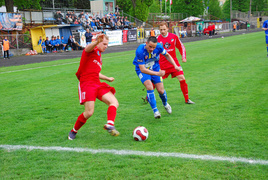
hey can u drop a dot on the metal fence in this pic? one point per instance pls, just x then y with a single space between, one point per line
18 41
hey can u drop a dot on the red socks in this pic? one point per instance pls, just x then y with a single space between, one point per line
184 89
111 114
81 120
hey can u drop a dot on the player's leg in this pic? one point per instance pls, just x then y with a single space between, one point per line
146 81
82 118
113 104
267 43
163 96
184 88
151 97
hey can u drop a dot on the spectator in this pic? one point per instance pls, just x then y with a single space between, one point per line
97 23
48 45
210 29
57 44
113 25
75 21
81 14
6 47
63 44
234 27
40 41
70 42
87 16
93 25
117 9
119 25
104 20
43 45
88 36
53 43
152 32
213 29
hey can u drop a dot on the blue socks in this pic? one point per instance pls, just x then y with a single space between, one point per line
152 100
267 49
163 98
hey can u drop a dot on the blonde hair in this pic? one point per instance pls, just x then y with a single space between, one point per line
163 24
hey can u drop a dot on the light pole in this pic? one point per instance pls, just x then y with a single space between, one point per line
231 14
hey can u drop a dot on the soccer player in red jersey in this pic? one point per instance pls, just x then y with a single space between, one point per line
91 88
170 42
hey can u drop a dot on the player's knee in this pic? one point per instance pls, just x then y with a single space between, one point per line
181 77
88 113
161 91
115 104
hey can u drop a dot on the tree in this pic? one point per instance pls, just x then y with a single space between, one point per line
214 9
9 5
155 7
189 7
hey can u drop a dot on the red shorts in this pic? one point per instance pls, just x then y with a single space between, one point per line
89 91
172 71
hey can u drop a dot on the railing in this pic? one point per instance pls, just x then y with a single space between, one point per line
18 41
166 16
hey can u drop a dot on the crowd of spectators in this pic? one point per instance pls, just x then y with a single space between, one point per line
57 44
94 21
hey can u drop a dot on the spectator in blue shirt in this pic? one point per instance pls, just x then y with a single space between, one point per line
88 36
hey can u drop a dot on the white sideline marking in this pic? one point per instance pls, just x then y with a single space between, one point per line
37 68
50 66
138 153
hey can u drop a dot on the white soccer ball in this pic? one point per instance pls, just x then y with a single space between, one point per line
140 133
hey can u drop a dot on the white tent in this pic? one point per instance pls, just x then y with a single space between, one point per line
191 19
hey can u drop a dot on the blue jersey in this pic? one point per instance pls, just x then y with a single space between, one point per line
265 25
150 60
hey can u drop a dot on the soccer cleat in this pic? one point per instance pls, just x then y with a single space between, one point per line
111 129
157 115
72 135
168 108
189 102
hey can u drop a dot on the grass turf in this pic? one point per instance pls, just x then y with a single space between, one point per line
226 78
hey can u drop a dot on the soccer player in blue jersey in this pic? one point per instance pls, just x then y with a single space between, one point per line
149 72
265 28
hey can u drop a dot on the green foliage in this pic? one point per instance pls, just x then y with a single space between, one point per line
214 10
141 10
155 7
29 4
125 5
190 7
39 106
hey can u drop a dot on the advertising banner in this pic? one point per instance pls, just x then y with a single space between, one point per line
132 35
115 37
125 36
10 21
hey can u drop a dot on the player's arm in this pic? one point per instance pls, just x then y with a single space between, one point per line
181 48
91 46
171 60
150 72
103 77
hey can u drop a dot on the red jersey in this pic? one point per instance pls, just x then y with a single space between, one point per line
170 43
90 66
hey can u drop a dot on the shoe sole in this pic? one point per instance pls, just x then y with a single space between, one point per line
70 138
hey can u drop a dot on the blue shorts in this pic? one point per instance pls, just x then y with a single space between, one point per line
143 77
266 38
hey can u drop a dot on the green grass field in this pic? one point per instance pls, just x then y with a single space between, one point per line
227 79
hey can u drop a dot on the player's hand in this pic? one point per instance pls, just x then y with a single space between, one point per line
110 79
99 38
178 68
161 73
184 60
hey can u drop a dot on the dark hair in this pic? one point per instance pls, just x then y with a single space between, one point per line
152 39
